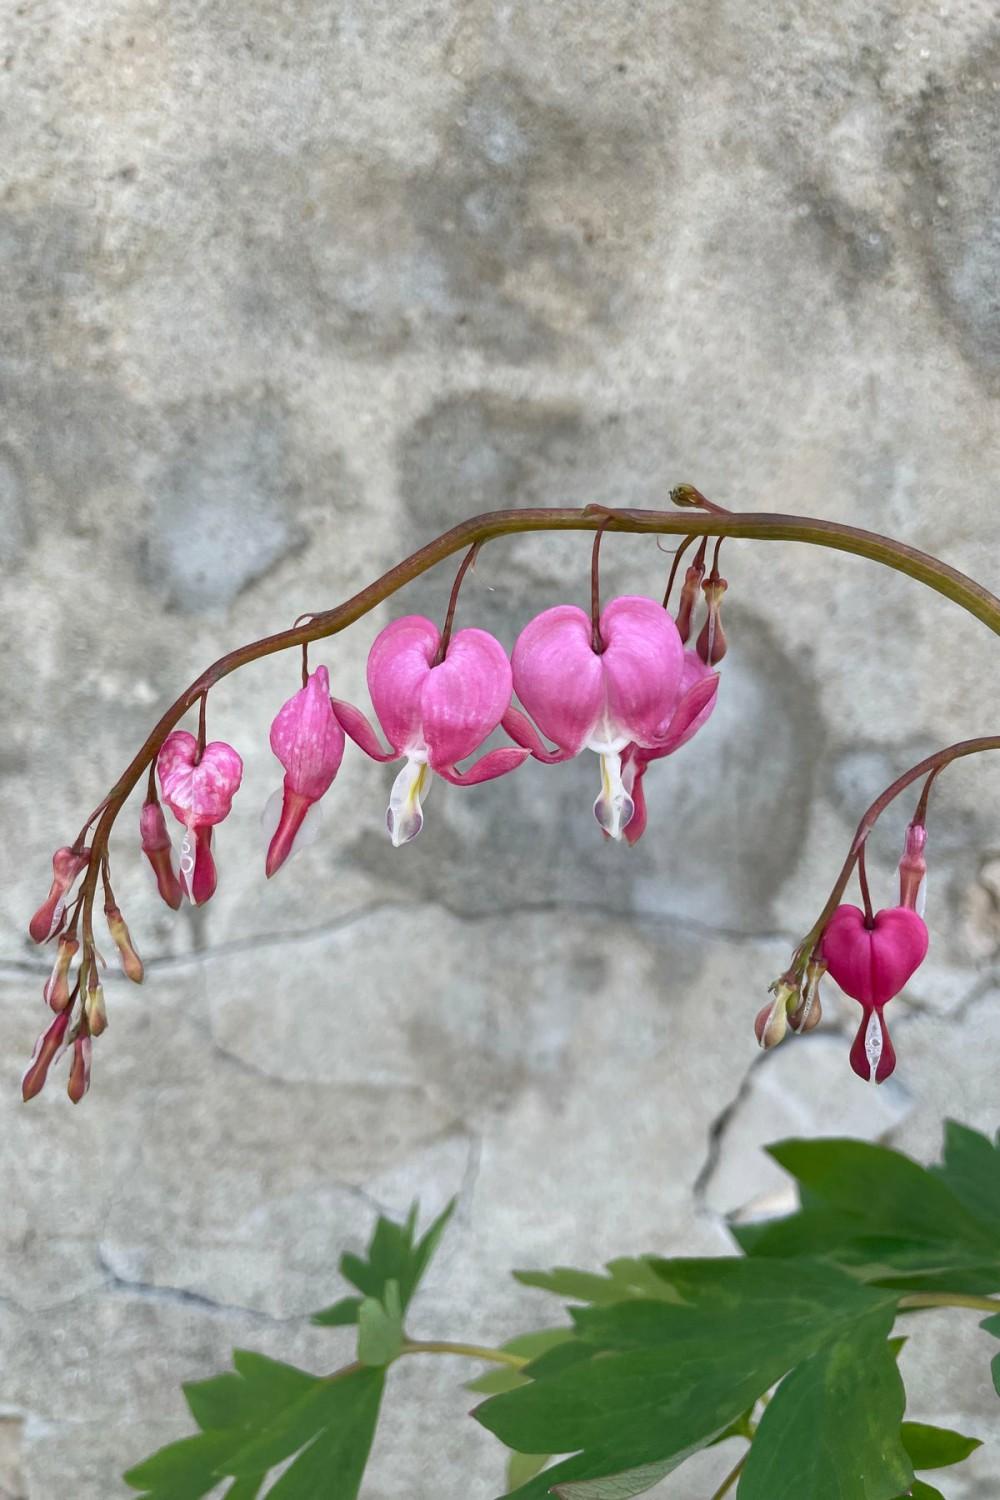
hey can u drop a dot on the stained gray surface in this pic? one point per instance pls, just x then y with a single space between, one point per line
287 289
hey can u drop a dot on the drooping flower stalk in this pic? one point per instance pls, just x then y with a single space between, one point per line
702 519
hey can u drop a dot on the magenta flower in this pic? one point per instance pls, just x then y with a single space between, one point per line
199 791
604 699
308 740
48 919
435 713
157 848
696 700
872 963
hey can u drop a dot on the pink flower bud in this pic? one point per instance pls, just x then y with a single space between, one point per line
199 791
56 990
913 870
79 1069
307 738
66 866
130 961
48 1048
690 590
711 644
158 850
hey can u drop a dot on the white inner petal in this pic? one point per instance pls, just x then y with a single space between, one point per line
614 807
271 815
873 1044
405 818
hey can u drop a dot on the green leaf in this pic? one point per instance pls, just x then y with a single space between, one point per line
936 1447
621 1486
187 1466
332 1467
393 1255
380 1327
524 1466
245 1489
340 1314
832 1427
529 1346
627 1277
971 1170
921 1491
331 1403
885 1189
679 1375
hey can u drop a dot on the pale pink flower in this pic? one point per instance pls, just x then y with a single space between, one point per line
308 740
433 713
695 704
199 791
598 695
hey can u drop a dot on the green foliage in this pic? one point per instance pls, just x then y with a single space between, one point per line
789 1347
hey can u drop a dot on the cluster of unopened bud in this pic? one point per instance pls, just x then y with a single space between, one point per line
73 989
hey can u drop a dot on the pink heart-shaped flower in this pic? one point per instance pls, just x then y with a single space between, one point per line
199 792
872 964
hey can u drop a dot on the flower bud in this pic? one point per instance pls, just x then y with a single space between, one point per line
689 596
94 1008
79 1069
56 990
913 870
809 1012
66 866
130 960
771 1023
48 1048
711 643
158 850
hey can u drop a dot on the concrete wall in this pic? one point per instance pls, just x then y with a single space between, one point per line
286 289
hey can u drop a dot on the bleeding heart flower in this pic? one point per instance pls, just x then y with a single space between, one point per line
48 919
598 699
308 740
696 701
199 791
872 964
433 713
48 1049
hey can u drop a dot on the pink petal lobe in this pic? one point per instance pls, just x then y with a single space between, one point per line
558 676
202 792
48 919
158 850
693 708
398 664
873 1056
293 811
48 1048
642 663
524 733
307 738
199 876
464 698
494 763
873 964
354 723
634 765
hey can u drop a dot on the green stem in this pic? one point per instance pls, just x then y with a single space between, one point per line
731 1477
470 1351
937 575
917 1300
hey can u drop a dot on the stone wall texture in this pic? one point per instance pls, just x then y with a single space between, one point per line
289 286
